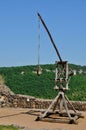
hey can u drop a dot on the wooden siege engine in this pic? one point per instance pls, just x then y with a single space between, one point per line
60 105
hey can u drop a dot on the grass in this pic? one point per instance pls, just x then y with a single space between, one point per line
2 127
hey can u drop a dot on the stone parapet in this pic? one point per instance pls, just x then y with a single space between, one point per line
22 101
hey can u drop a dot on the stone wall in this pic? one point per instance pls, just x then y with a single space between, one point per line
16 100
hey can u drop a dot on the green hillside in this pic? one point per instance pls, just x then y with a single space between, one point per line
24 80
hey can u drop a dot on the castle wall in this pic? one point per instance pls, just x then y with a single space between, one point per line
21 101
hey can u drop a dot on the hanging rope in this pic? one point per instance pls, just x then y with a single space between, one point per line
39 68
38 42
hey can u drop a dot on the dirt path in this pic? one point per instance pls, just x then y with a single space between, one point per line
20 117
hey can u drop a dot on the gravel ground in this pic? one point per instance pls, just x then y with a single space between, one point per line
22 119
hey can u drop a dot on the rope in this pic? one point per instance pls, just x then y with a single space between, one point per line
38 41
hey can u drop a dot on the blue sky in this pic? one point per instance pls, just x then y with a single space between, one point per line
65 19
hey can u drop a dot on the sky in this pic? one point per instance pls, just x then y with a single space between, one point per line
65 19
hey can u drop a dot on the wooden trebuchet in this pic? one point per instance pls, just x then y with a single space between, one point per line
61 102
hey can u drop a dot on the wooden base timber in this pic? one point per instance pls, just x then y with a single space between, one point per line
60 116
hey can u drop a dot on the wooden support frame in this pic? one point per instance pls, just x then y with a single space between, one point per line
64 102
61 100
61 75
